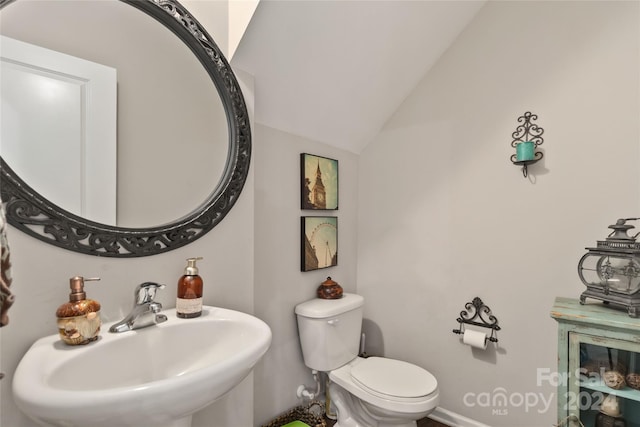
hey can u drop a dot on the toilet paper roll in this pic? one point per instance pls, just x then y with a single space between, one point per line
475 339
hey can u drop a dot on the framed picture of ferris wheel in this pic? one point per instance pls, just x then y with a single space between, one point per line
319 182
319 247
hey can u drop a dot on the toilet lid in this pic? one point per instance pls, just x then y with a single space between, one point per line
394 377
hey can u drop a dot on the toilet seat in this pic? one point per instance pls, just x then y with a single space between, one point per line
393 379
382 399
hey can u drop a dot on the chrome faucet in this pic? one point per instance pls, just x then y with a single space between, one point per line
145 312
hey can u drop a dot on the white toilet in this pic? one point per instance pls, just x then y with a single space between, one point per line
366 392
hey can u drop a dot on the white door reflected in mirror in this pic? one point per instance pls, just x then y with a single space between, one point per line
56 106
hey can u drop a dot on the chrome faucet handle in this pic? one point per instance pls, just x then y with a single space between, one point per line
155 307
146 292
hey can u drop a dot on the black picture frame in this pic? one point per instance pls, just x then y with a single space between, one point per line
319 242
318 182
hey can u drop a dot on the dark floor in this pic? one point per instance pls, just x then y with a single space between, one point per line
425 422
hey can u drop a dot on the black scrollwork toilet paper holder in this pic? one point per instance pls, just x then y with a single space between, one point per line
478 314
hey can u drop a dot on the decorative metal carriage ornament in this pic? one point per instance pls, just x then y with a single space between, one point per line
611 270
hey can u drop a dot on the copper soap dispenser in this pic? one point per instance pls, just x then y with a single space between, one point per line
329 289
79 319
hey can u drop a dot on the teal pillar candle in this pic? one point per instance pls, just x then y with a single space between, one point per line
524 151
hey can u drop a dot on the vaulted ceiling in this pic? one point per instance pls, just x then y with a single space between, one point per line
334 71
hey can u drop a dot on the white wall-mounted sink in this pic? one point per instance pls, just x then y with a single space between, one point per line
155 376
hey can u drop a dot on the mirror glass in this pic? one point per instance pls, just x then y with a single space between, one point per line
182 132
172 138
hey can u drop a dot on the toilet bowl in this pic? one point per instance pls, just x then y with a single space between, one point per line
366 392
377 392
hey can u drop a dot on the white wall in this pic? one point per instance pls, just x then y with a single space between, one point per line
279 283
443 215
240 14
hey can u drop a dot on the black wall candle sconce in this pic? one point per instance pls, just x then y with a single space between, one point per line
526 138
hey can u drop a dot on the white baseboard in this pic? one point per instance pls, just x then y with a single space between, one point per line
454 420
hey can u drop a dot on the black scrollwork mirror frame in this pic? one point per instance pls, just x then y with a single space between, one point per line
31 213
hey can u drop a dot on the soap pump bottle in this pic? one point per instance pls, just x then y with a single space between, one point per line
189 301
79 319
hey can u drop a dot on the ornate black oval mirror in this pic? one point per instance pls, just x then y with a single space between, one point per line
33 214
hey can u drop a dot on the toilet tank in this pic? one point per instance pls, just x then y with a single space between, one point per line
330 330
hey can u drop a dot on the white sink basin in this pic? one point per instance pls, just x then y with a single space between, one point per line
155 376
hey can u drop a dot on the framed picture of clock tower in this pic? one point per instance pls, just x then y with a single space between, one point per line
319 182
